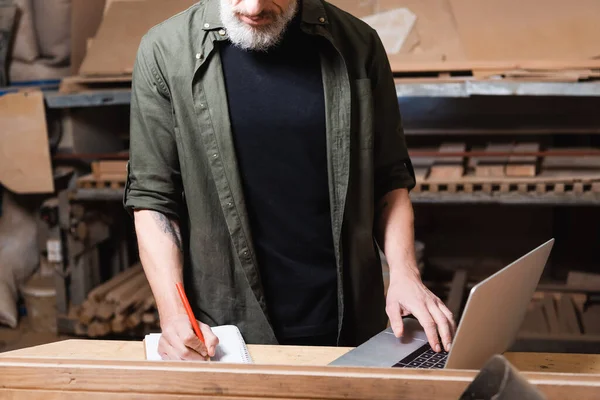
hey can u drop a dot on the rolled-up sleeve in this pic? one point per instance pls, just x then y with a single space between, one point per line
392 164
153 172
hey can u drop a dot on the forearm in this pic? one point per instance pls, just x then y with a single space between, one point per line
161 254
394 230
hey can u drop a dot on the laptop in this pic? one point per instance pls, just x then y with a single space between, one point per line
491 319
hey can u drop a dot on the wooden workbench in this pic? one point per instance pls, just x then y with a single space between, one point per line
117 370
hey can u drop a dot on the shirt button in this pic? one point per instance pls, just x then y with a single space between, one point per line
230 204
202 105
222 32
321 19
207 25
215 155
198 56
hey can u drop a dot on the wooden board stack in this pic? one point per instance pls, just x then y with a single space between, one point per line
121 304
105 174
506 168
566 316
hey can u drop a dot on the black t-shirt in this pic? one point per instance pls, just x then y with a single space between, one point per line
277 114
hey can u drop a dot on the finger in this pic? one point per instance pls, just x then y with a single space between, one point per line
448 315
210 339
183 352
189 339
165 350
393 312
428 324
443 325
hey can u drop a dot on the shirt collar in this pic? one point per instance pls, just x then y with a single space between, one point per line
313 13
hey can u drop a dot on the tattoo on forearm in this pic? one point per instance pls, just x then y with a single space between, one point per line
171 228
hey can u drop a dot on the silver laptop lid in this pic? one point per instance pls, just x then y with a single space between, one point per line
495 310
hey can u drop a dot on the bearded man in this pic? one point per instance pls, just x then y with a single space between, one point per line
267 162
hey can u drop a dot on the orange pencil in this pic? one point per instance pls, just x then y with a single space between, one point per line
190 313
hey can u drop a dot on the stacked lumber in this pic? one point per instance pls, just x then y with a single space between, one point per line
121 304
116 169
507 168
555 313
105 174
568 318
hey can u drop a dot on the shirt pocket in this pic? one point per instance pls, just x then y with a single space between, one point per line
364 112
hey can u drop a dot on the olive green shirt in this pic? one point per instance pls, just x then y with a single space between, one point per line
183 163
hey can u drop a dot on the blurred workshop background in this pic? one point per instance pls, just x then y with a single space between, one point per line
500 101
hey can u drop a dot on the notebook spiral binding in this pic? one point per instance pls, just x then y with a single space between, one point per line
245 352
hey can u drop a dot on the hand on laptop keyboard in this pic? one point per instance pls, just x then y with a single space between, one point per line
423 357
408 295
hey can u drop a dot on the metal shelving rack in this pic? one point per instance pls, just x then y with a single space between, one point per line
405 91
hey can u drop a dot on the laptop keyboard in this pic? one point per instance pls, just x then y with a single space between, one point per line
423 357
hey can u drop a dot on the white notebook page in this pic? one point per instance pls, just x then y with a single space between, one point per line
231 347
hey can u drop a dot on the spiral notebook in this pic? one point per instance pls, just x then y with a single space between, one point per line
231 348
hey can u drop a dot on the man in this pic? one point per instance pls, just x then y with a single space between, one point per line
267 160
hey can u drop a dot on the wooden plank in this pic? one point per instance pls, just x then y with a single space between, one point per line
100 291
91 180
101 169
115 350
446 172
519 165
586 280
119 323
149 303
435 31
134 298
120 33
567 318
591 320
493 166
534 320
551 315
25 165
578 299
85 20
97 328
421 174
105 310
498 30
15 394
242 381
119 294
503 65
252 381
150 318
543 177
88 311
577 163
422 165
448 168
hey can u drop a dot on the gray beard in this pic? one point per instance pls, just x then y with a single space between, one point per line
255 38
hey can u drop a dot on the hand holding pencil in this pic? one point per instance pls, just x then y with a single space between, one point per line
184 338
